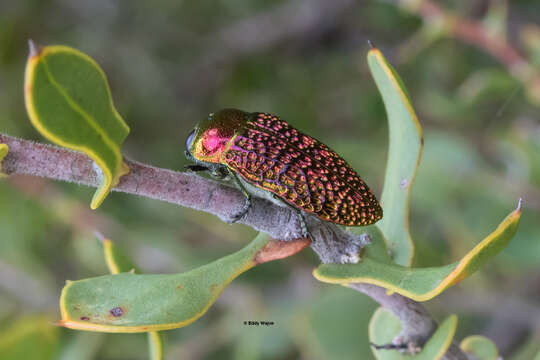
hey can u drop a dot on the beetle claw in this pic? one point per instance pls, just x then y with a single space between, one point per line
247 204
303 227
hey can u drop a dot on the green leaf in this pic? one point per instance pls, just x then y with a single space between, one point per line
3 152
31 337
69 102
118 262
377 250
479 347
385 326
129 302
155 344
420 284
405 148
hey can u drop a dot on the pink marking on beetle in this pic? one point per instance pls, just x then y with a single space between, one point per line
212 141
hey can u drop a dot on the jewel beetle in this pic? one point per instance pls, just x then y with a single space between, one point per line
267 157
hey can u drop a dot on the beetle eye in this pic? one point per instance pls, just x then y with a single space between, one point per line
189 139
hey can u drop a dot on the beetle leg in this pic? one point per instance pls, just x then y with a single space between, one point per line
247 196
196 168
303 226
219 173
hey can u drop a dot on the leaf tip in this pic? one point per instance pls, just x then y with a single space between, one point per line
519 207
94 204
100 195
60 323
33 49
371 44
99 236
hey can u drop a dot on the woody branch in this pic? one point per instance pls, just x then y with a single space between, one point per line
331 243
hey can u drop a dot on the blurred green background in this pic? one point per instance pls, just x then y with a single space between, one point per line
170 63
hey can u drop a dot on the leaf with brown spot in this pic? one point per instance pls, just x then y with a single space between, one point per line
154 300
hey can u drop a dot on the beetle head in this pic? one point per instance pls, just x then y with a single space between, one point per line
211 136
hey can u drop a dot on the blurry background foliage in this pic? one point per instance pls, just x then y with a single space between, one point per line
172 62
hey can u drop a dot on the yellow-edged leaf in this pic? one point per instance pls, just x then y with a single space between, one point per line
155 344
479 347
129 302
385 326
404 152
69 102
117 262
420 284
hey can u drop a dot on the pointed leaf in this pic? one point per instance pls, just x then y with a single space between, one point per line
479 347
117 261
3 152
405 148
421 284
128 302
69 102
385 326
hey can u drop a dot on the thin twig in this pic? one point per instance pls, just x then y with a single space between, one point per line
475 33
331 243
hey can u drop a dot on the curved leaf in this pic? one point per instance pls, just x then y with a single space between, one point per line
404 152
128 302
117 261
3 152
69 102
479 347
385 326
421 284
